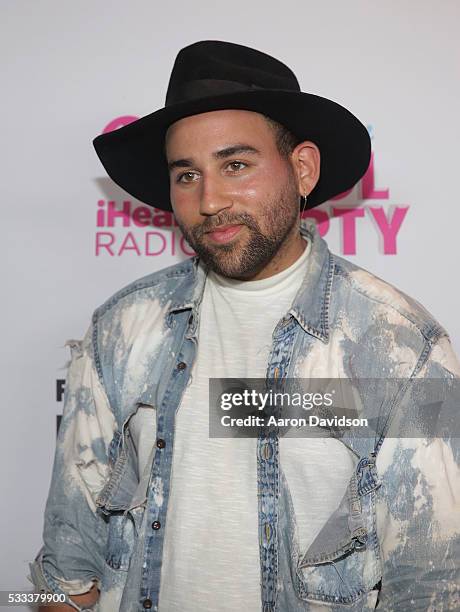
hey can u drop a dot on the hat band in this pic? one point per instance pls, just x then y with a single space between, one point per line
201 88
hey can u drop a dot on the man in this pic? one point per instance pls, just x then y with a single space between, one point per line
146 510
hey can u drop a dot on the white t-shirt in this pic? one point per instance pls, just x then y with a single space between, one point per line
211 550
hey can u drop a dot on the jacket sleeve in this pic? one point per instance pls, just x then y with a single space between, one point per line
74 534
418 505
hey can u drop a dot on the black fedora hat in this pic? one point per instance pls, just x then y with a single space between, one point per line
216 75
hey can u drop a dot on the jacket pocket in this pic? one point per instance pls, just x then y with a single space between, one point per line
342 564
121 501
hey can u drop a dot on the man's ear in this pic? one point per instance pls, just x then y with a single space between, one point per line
306 160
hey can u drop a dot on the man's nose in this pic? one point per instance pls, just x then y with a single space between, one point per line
214 197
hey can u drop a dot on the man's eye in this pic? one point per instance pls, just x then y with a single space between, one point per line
236 163
189 174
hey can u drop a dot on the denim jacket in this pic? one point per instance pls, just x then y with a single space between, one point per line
393 544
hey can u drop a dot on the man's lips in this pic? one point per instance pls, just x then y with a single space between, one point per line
224 233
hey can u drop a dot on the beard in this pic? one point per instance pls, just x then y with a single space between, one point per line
246 256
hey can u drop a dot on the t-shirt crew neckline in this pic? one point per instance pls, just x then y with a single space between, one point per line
233 284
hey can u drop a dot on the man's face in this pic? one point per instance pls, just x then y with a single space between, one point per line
225 170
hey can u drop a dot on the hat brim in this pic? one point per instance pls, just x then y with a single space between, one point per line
134 158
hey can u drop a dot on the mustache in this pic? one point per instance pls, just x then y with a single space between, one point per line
211 224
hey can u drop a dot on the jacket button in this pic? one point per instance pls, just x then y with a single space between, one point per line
360 545
181 365
147 603
156 525
161 443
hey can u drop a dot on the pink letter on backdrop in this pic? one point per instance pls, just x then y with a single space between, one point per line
132 247
322 220
100 214
348 227
119 122
102 245
113 213
369 193
142 216
389 229
147 243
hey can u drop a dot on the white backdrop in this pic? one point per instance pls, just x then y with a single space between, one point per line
72 68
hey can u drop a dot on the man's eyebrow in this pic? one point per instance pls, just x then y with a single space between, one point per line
236 149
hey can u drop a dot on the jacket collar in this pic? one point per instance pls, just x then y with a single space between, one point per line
310 306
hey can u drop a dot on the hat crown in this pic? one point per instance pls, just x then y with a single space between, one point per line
211 67
213 75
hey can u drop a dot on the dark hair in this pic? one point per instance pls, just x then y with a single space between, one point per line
286 141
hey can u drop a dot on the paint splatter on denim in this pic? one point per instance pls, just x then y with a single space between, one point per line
395 537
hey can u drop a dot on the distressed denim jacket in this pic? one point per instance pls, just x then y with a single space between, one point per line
393 543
